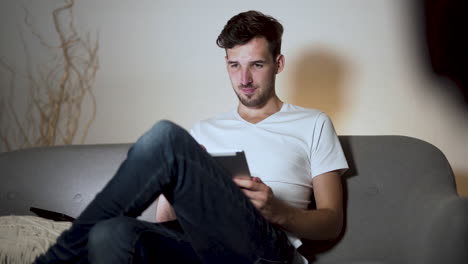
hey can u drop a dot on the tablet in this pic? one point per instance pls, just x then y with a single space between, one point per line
234 162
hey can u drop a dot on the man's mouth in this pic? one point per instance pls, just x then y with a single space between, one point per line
248 90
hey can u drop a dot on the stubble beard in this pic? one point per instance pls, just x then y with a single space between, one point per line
260 100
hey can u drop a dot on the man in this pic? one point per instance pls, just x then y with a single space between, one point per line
206 215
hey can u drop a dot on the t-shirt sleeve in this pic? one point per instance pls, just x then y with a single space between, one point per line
195 131
326 153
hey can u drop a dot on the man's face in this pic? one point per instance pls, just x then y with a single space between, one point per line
252 71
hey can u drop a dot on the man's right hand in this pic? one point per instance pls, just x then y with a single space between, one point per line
262 197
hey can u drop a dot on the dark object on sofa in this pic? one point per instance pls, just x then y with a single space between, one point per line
400 199
51 215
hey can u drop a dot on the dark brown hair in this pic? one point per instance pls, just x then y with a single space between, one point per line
245 26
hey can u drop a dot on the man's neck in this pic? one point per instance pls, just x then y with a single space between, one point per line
257 114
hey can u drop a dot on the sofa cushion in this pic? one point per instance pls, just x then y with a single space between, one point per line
23 238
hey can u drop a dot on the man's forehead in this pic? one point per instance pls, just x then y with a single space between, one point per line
255 49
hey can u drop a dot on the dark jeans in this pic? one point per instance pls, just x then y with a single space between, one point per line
216 222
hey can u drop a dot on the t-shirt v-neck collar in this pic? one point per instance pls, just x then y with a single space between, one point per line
237 115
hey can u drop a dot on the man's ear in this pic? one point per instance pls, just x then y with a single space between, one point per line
279 63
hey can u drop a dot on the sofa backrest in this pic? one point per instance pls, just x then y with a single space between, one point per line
62 179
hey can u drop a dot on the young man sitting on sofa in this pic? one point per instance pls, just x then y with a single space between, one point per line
206 215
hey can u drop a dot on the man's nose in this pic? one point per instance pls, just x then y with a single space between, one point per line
246 77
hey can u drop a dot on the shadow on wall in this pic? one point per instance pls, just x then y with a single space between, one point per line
318 82
462 182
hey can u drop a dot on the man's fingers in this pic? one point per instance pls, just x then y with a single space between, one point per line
260 196
242 182
248 184
250 194
255 198
243 177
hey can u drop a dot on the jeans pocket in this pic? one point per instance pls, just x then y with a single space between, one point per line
266 261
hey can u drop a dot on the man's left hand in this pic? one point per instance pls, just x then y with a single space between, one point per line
262 198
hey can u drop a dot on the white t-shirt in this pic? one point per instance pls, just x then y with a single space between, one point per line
286 150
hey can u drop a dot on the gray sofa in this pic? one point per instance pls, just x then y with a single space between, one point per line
400 199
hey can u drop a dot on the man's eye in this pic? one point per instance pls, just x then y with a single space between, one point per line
233 65
258 65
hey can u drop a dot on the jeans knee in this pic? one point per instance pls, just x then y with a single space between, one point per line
166 127
106 232
163 132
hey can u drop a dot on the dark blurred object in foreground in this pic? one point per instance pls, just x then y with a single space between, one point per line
446 34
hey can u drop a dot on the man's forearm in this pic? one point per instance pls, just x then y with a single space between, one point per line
164 210
318 224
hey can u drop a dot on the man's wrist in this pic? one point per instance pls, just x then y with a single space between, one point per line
285 214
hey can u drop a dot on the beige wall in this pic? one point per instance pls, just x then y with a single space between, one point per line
360 61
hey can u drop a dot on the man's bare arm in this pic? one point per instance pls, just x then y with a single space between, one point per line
164 210
323 223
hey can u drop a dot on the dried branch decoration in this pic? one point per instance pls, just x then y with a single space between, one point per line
57 91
